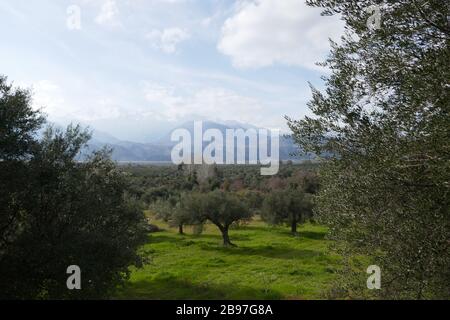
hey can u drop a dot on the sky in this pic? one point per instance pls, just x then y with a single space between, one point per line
137 68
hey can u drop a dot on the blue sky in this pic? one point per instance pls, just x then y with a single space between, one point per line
136 68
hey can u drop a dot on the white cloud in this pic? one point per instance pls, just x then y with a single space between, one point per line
48 97
165 97
167 40
104 108
54 101
266 32
216 104
108 15
206 22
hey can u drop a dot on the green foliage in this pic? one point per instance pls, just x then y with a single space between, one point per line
57 212
221 208
151 183
172 211
383 120
181 195
290 206
18 122
252 199
18 125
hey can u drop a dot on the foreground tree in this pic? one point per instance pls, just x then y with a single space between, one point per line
18 124
291 206
384 119
63 213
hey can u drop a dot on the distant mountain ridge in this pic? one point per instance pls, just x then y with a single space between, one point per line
160 150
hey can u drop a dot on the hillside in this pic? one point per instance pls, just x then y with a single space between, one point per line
160 149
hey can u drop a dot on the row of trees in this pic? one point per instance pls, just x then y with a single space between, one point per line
56 211
152 183
224 208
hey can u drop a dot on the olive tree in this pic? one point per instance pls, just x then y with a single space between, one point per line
291 206
18 126
219 207
172 212
57 211
382 125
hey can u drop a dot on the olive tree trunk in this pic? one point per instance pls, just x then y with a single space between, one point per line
294 226
225 236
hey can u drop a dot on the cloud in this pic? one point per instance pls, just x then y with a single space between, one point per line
48 96
58 104
262 33
216 104
108 15
167 40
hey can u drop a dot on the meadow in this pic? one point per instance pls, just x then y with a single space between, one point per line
268 263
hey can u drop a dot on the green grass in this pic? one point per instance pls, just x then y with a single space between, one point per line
269 263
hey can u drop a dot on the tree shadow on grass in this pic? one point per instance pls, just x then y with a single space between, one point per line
169 287
217 237
277 252
161 238
265 228
314 235
179 238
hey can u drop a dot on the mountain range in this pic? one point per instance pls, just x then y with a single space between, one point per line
160 149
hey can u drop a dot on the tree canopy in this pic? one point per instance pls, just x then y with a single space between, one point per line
291 206
383 121
221 208
56 211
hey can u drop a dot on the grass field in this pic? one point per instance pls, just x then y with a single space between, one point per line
269 263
